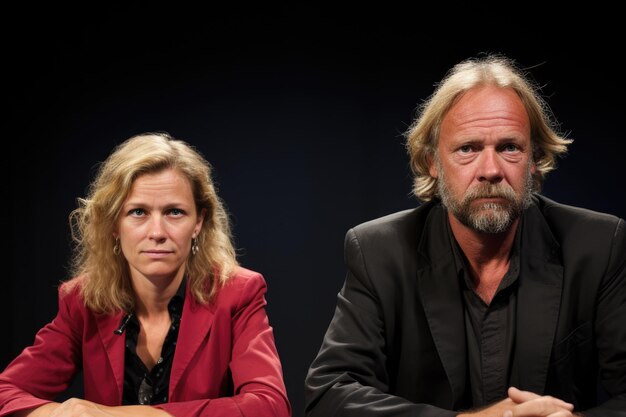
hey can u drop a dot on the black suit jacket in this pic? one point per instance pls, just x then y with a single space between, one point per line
396 344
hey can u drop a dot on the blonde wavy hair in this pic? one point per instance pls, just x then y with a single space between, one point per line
491 69
103 276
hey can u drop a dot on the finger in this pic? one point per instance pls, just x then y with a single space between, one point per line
542 407
520 396
561 414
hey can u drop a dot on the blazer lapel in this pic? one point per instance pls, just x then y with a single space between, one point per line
114 347
441 296
195 323
538 300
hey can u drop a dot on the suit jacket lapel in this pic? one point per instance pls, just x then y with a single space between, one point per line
442 299
539 300
114 347
195 323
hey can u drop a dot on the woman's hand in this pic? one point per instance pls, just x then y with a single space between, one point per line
75 407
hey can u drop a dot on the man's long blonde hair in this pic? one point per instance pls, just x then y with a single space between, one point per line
422 136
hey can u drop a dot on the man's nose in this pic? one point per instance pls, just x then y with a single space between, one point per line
490 167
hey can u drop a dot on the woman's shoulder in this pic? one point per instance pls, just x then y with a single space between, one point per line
70 293
243 277
72 303
243 284
242 274
72 287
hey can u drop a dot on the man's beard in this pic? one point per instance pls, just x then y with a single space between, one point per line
486 217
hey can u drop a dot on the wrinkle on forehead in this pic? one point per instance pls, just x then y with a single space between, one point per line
168 187
169 179
488 107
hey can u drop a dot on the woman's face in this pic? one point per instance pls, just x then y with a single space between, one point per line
156 225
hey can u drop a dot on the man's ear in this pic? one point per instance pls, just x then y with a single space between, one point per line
432 166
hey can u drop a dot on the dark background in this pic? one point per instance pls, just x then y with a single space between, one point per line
301 111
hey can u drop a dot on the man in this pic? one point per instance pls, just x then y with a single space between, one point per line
488 299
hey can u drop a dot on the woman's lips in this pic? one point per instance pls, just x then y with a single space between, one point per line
156 254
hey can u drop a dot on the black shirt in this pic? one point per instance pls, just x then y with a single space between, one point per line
143 386
489 329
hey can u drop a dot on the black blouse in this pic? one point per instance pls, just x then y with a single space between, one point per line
149 387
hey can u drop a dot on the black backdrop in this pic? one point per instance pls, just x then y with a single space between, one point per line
300 110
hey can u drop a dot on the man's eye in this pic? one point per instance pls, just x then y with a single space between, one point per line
465 149
510 147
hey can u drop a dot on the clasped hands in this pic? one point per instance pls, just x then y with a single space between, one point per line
525 404
76 407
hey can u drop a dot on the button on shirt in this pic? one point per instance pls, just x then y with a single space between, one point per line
143 386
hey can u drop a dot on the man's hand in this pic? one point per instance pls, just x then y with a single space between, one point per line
525 404
529 404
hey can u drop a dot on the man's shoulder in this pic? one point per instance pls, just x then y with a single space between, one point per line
571 225
399 226
398 219
559 213
389 220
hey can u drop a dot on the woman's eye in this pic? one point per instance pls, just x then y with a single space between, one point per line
136 212
176 212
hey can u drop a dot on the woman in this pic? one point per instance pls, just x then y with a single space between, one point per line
159 316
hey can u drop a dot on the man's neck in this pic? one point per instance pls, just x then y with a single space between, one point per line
487 254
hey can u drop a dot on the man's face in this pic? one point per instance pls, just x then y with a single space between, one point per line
484 161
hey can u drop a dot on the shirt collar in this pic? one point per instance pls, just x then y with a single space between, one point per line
460 261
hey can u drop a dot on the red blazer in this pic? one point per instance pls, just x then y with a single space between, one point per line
225 364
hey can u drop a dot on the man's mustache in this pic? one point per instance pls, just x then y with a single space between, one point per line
490 191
